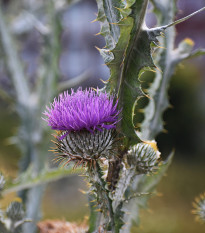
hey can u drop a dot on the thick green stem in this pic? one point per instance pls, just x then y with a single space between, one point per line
105 218
106 191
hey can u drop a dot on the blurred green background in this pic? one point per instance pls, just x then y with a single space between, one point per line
168 212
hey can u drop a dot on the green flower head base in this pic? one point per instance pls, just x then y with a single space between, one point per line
86 122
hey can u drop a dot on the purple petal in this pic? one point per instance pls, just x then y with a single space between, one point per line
80 110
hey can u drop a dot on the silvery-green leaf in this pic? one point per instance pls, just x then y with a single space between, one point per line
27 180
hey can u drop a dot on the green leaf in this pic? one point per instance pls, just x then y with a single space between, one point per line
126 53
28 180
158 101
167 59
109 15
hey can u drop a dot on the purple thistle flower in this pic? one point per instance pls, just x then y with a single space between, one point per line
82 110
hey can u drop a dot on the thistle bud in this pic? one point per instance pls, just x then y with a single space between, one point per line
143 157
199 208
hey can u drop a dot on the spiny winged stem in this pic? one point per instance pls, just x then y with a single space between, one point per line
104 202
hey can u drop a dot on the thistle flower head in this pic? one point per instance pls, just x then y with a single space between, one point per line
82 110
85 122
199 208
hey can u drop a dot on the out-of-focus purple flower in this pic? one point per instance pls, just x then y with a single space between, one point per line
82 110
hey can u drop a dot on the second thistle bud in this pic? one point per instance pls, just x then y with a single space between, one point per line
144 157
